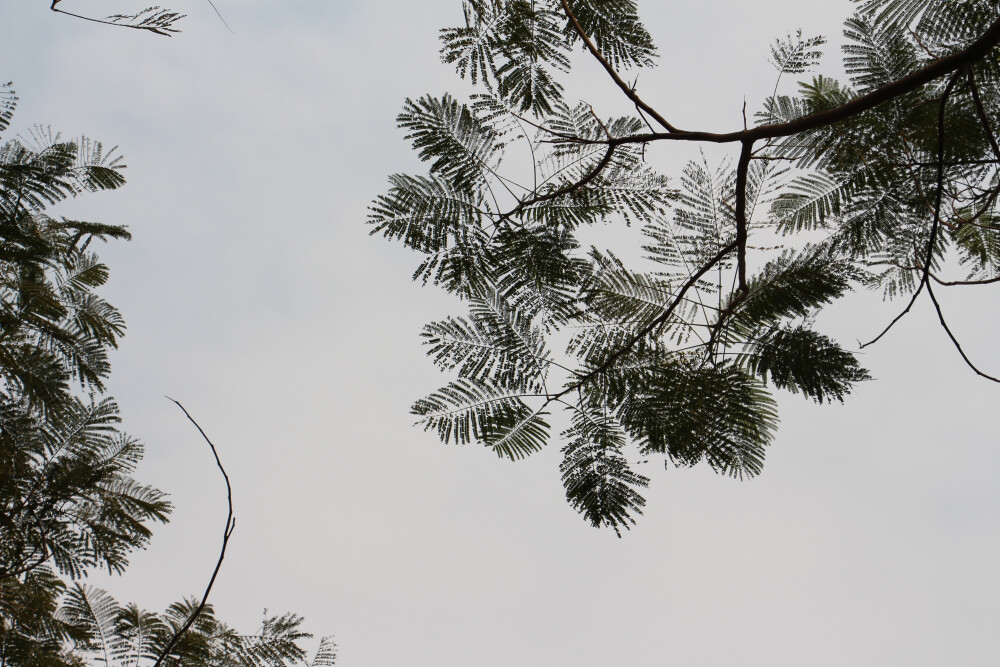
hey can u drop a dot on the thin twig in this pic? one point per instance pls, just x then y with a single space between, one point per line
629 91
651 326
925 278
226 533
937 307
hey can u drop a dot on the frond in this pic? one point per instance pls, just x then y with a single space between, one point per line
466 411
796 54
96 612
717 414
808 202
143 635
495 345
874 56
153 19
529 37
326 654
979 247
276 643
799 359
426 213
598 480
583 206
616 30
639 195
8 103
470 47
97 169
794 285
463 149
538 273
617 295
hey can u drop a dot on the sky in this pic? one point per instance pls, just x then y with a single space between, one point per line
255 296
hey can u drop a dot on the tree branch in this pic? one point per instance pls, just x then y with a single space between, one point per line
925 277
655 322
947 65
163 29
954 340
561 191
226 533
742 167
628 90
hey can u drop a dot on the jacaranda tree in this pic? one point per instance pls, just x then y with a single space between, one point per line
894 175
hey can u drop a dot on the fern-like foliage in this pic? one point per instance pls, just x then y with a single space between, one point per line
598 479
676 354
127 636
465 411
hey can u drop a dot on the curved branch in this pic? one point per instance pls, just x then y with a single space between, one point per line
561 191
925 278
628 90
947 65
937 307
226 533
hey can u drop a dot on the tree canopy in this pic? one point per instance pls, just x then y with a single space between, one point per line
888 181
69 503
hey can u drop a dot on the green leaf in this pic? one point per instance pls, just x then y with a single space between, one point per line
496 345
796 54
426 214
463 149
795 285
717 414
809 202
799 359
466 411
615 28
598 480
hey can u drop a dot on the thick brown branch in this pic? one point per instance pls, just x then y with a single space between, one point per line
742 168
947 65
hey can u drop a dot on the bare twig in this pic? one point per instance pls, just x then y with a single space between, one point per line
925 277
944 324
226 534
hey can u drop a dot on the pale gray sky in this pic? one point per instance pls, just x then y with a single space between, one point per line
254 296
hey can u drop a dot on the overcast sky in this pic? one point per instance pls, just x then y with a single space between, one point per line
255 296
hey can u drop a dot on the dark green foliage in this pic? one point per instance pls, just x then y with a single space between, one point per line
599 483
128 636
466 411
800 359
674 356
68 500
717 414
795 285
69 495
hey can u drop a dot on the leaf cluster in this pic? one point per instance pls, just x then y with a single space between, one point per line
678 356
127 636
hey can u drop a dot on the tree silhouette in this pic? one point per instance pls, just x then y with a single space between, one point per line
893 176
